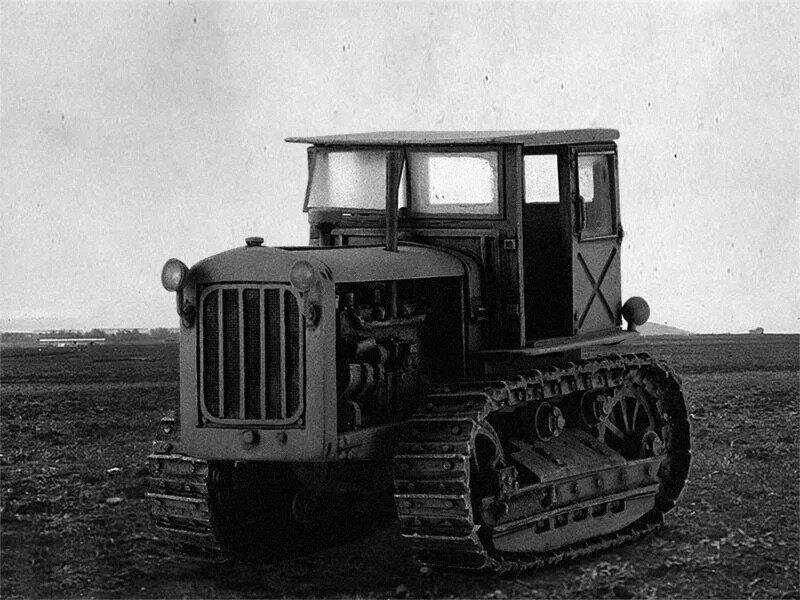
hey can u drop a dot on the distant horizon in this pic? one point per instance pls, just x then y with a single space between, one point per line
84 329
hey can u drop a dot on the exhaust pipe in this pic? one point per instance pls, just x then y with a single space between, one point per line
394 170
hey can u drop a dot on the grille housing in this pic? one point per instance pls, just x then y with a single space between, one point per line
251 355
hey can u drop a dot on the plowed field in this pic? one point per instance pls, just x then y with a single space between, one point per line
76 426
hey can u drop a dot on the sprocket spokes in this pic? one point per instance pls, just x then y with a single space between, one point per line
630 418
488 453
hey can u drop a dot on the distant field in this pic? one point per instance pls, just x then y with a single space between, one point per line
69 415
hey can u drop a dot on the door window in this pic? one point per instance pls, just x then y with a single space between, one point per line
594 186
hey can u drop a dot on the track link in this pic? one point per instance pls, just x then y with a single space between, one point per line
432 468
179 495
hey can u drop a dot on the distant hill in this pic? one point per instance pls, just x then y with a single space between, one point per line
659 329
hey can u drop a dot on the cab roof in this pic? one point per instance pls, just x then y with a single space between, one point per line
450 138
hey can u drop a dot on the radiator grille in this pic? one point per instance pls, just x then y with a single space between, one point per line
251 355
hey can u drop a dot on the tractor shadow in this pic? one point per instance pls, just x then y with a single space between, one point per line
353 547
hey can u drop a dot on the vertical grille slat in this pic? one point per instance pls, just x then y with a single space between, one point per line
292 379
210 354
230 352
282 346
251 354
220 363
262 308
242 360
272 363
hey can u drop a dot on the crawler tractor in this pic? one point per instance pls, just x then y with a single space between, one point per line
441 327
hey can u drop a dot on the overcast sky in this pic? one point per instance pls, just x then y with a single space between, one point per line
135 132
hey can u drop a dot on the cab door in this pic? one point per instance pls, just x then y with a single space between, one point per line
596 239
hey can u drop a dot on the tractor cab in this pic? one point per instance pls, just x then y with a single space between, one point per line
537 210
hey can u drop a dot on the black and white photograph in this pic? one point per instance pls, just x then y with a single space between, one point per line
419 299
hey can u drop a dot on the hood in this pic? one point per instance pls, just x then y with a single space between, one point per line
344 264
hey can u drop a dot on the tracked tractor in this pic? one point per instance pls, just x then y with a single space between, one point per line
442 328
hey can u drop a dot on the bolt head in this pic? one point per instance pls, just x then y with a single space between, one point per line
250 436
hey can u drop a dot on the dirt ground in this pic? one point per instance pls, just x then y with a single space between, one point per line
76 426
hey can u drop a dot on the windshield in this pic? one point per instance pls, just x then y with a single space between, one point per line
443 182
348 179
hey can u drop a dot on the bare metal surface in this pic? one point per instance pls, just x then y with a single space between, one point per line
553 345
345 264
401 138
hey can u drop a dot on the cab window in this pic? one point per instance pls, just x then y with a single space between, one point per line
453 182
541 179
595 187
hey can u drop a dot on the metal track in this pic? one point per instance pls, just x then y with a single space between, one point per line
433 491
179 495
181 505
435 508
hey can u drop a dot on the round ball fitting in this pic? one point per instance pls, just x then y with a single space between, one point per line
635 311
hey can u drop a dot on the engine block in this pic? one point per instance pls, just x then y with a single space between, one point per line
379 347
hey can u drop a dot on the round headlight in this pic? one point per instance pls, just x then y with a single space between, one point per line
302 275
174 275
